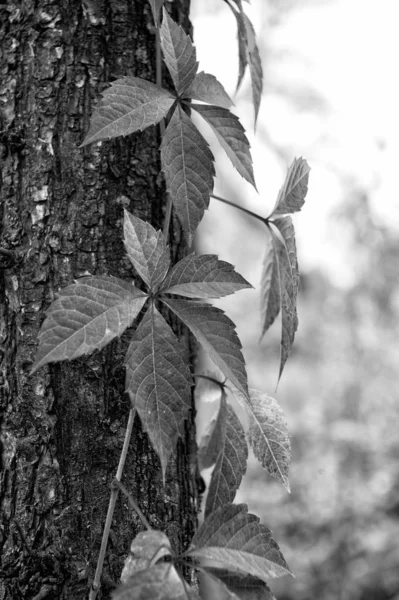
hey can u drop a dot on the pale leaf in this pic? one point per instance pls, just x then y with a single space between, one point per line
160 582
130 104
292 195
216 333
244 587
188 166
255 65
231 463
146 249
207 88
179 54
156 5
86 316
231 136
268 435
235 540
270 283
158 382
203 277
145 550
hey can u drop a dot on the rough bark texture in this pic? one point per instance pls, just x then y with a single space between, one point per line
61 217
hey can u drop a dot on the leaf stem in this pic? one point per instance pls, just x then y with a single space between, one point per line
95 587
133 504
249 212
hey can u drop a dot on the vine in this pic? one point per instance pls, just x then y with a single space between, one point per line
232 551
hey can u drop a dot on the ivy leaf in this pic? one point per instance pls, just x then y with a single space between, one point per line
130 104
203 277
231 136
268 435
255 65
231 586
147 548
231 463
156 5
179 54
207 88
86 316
160 582
158 382
234 539
216 333
146 249
270 283
188 166
292 195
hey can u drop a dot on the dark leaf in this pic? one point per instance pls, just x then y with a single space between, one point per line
158 382
130 104
216 333
208 89
160 582
146 249
188 166
145 550
86 316
270 283
179 54
203 277
234 539
292 195
231 136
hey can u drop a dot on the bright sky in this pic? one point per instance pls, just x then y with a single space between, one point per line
344 51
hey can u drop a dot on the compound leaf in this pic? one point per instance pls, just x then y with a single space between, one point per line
188 166
231 462
207 88
292 195
130 104
203 277
216 333
179 54
158 382
268 435
145 550
86 316
159 582
234 539
270 283
230 586
146 249
156 5
231 136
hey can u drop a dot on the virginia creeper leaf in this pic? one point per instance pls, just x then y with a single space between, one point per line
213 588
289 284
270 283
207 88
235 540
188 166
231 136
203 277
216 333
231 463
130 104
145 550
160 582
212 440
242 42
146 249
255 65
156 5
268 435
158 382
179 54
292 195
244 587
86 316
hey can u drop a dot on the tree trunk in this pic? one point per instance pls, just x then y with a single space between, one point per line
61 215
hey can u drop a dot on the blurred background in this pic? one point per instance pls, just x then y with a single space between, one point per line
330 96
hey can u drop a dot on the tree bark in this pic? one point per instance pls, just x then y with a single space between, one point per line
61 218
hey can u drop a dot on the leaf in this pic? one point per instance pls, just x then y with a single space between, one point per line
231 136
270 283
145 550
146 249
289 284
86 316
130 104
234 539
188 166
179 54
208 89
216 333
203 277
213 588
292 195
231 463
212 440
158 382
268 435
160 582
156 5
244 587
255 65
242 42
